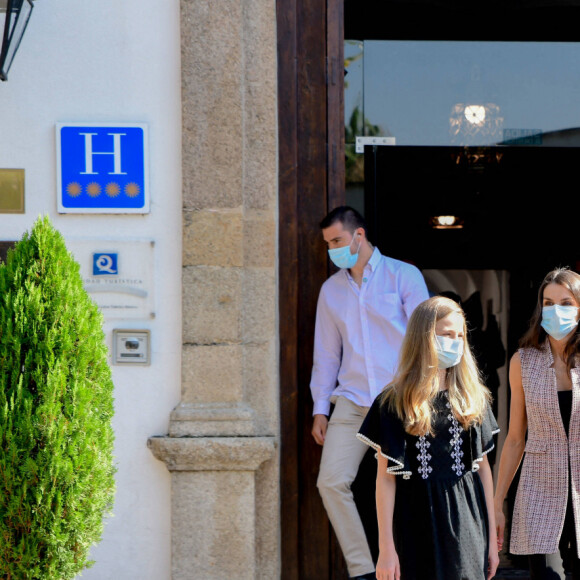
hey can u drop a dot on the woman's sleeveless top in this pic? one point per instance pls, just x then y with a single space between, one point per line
550 458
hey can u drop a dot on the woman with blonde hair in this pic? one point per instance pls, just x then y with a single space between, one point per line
432 428
545 403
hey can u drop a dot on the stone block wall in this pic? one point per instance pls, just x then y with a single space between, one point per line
223 437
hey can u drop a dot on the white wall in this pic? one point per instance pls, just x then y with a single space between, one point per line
111 61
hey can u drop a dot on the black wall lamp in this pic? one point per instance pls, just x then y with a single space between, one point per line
14 17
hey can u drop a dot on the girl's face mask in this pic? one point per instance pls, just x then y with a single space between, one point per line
449 351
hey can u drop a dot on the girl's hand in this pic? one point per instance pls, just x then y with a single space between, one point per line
388 565
500 528
493 561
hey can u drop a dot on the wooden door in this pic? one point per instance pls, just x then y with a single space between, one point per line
311 169
311 182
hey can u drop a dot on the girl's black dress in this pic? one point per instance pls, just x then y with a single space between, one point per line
440 518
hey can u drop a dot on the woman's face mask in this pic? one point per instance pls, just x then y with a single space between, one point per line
449 351
559 321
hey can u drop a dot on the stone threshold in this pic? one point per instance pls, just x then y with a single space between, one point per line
513 574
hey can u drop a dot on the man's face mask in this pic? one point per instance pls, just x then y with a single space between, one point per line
342 258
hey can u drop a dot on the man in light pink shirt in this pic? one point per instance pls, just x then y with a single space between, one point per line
361 318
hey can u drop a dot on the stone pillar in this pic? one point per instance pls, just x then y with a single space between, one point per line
213 504
222 442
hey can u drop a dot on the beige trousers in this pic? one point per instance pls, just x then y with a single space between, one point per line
342 454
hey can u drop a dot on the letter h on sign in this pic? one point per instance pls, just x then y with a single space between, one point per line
116 153
102 168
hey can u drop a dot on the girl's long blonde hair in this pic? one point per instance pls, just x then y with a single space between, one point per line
415 385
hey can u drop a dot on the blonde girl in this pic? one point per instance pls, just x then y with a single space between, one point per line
432 428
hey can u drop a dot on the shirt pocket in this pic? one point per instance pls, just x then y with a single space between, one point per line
390 298
386 306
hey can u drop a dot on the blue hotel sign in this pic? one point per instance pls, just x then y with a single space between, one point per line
102 168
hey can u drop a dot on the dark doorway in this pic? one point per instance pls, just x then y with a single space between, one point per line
311 132
513 208
518 200
507 210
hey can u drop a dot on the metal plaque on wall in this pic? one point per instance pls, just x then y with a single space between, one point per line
11 190
118 274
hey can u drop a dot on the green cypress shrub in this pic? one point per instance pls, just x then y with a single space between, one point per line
56 406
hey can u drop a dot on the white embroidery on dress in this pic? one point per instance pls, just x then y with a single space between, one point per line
424 457
396 469
477 461
455 430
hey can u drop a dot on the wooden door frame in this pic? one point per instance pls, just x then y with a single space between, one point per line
311 182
